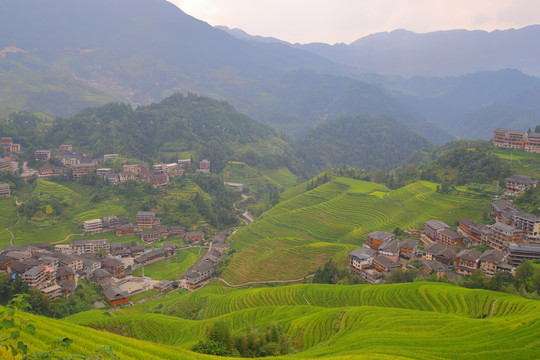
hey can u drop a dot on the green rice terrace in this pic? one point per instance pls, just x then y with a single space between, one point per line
301 233
399 321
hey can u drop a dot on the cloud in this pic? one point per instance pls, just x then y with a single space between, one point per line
347 20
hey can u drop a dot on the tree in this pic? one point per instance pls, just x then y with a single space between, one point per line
48 210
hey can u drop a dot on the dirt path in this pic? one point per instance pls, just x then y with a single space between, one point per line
18 219
265 282
66 238
246 217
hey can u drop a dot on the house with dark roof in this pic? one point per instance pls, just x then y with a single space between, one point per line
194 236
360 259
429 266
450 238
150 236
377 238
467 261
114 266
384 265
518 184
408 248
390 249
439 252
114 295
490 261
431 231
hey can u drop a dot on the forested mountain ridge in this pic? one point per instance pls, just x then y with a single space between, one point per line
83 57
438 53
177 124
363 141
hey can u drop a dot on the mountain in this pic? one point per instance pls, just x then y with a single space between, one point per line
439 53
471 106
141 51
362 141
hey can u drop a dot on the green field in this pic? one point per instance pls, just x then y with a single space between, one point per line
400 321
254 178
520 161
341 212
172 268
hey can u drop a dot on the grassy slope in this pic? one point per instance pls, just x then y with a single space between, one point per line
413 321
521 162
305 230
171 269
251 177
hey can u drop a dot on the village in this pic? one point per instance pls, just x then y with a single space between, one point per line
513 238
56 269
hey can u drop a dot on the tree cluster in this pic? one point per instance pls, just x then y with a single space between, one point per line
270 340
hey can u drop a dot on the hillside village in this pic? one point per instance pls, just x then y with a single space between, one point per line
513 238
55 270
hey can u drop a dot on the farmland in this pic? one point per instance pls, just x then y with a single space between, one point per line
172 268
341 212
520 161
413 321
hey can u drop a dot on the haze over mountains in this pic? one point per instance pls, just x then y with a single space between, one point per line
144 50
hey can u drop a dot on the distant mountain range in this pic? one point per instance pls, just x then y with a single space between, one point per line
59 56
438 53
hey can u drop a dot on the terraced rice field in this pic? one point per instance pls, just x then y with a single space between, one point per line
47 187
171 269
8 217
284 259
342 212
399 321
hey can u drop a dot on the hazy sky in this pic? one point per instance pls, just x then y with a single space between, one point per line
334 21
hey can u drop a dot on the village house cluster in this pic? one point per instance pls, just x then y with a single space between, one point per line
158 175
147 225
514 237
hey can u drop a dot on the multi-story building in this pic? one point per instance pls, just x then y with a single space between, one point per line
361 259
93 226
63 148
440 252
509 139
467 261
377 238
518 252
517 184
109 221
516 139
6 140
5 190
39 276
150 236
146 219
122 230
5 164
501 234
42 155
48 171
159 181
408 248
135 168
83 246
431 231
114 266
110 157
529 224
79 170
126 175
204 166
491 260
194 236
450 237
477 233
